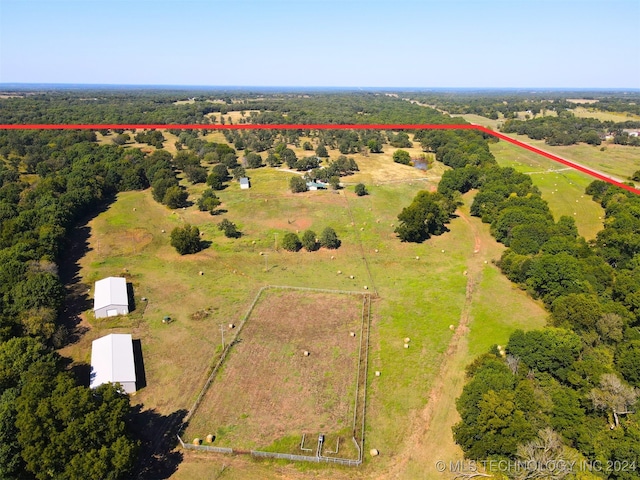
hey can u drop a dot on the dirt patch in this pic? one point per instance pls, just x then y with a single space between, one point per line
269 389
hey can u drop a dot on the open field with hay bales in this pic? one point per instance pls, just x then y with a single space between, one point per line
439 294
292 370
619 161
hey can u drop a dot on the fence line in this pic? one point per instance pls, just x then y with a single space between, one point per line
208 448
282 456
366 375
306 458
320 290
223 356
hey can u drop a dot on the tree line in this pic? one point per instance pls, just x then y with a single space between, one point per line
568 129
50 425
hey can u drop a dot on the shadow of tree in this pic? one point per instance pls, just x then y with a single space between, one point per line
157 458
77 300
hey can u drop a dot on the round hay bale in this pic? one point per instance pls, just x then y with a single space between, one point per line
378 373
362 229
464 273
134 209
210 438
332 257
231 325
353 334
374 452
486 262
253 242
339 272
443 251
200 272
417 257
376 250
406 345
351 277
407 340
306 353
261 253
197 441
366 288
452 327
144 299
163 231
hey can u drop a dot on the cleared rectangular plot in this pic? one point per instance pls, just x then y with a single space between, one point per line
269 389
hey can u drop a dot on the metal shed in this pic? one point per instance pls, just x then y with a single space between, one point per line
112 361
110 297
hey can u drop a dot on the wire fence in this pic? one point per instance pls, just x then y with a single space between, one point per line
214 372
360 390
282 456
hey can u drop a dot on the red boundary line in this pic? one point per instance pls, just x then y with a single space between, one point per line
155 126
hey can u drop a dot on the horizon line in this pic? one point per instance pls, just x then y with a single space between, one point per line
326 126
69 85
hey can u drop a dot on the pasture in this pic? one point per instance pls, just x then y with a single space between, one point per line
422 290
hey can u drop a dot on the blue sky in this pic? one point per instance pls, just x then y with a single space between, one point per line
348 43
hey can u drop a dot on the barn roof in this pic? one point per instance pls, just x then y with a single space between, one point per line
244 181
112 360
110 291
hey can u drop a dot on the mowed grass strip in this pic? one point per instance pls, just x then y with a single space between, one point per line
269 390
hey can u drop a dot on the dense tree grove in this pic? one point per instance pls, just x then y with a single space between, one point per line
49 425
568 129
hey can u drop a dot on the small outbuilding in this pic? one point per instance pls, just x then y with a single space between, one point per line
112 361
312 186
244 183
110 297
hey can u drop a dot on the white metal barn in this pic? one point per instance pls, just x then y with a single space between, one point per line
244 183
110 297
112 361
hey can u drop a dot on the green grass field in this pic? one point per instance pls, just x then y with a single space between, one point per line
422 291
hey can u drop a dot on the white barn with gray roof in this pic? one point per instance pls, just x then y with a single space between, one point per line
112 361
110 297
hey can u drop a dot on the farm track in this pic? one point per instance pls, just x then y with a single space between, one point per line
421 445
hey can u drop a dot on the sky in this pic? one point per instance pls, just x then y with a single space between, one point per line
345 43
